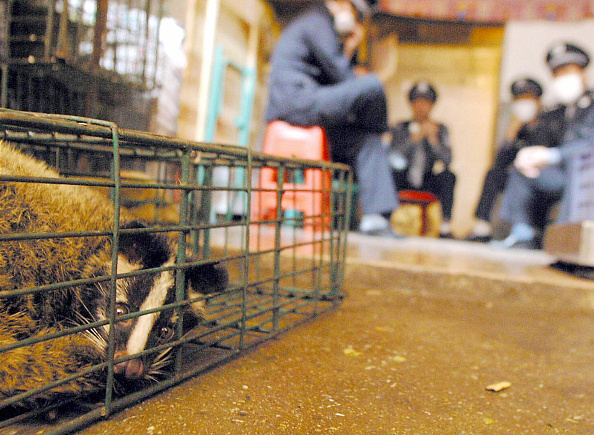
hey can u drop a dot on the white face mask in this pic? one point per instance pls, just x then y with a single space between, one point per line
568 88
344 22
525 110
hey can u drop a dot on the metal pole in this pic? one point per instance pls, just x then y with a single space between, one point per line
100 28
147 35
49 30
208 45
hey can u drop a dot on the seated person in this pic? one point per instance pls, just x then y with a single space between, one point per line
313 82
420 153
528 126
539 178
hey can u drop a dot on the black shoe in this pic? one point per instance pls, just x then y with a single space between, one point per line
383 232
446 236
480 239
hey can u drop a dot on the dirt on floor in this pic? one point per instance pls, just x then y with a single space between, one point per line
393 361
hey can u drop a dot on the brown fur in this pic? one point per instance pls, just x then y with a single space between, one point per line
30 208
42 208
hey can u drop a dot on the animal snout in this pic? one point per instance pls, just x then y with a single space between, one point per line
132 369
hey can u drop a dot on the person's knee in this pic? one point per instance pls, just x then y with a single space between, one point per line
370 85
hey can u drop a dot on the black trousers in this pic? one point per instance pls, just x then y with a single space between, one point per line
442 185
494 183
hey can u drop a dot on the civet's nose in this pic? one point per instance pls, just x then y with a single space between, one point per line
132 369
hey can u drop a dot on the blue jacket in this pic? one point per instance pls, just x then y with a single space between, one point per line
307 55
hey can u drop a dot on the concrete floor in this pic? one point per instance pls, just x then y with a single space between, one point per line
427 326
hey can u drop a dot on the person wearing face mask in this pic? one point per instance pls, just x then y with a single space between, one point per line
420 152
540 175
528 126
313 81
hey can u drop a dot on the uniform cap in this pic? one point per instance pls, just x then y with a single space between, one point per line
565 54
422 90
526 86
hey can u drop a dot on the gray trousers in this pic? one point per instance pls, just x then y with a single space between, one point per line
364 151
528 200
354 115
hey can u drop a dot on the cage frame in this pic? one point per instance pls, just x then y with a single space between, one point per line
267 301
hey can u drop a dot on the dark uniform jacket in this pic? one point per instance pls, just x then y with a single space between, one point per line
579 128
313 83
547 130
402 144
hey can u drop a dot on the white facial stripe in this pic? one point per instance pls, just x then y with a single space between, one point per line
124 266
156 298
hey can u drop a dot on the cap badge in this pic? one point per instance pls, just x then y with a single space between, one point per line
423 87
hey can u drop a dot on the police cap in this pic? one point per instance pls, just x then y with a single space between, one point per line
422 90
526 86
565 54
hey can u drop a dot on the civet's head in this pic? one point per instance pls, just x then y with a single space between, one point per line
140 251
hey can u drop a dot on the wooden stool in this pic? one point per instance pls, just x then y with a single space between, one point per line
419 214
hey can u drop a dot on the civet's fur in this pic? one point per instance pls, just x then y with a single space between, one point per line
47 208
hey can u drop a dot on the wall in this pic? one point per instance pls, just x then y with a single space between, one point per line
466 77
235 21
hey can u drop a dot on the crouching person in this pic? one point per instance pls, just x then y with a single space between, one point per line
313 82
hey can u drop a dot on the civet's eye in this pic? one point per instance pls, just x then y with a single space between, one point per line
166 333
121 309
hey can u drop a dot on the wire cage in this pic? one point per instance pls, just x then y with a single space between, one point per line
95 58
121 37
282 271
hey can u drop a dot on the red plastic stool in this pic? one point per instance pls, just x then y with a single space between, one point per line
306 193
422 199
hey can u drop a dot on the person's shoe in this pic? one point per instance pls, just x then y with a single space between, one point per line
512 242
446 236
475 238
383 232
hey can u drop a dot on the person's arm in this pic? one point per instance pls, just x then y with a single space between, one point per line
352 41
507 153
325 47
441 145
510 147
532 159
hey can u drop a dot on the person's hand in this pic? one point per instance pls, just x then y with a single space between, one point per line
531 160
430 130
361 70
438 167
414 129
353 40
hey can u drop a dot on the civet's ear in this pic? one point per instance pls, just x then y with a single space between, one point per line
148 249
207 278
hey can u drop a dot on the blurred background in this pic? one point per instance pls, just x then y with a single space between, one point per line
149 64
